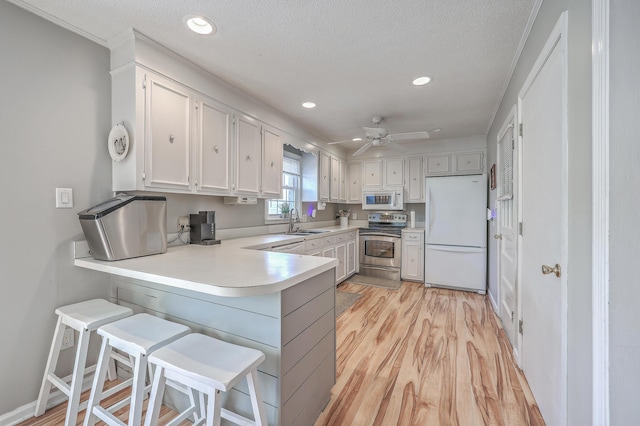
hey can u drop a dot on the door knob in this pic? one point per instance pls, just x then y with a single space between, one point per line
498 236
546 270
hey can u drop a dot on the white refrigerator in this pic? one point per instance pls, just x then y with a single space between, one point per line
456 232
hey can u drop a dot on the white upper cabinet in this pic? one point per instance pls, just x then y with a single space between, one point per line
214 148
248 159
438 164
343 181
393 172
335 179
372 174
415 180
168 134
271 163
471 162
324 177
354 182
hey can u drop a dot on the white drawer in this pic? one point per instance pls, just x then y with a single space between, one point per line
313 244
345 236
412 236
328 240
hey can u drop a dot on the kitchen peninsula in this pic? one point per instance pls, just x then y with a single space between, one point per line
282 304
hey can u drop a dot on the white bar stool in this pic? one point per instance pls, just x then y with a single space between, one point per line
83 317
138 336
209 366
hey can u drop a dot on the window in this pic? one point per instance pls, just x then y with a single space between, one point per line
291 184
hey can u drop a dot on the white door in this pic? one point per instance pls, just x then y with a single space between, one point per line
507 228
542 108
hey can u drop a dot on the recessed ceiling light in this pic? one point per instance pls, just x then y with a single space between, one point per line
200 25
309 105
421 81
356 139
436 130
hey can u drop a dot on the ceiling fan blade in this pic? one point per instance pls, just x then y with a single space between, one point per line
362 149
396 146
410 135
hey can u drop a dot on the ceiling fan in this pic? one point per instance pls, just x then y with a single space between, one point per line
379 136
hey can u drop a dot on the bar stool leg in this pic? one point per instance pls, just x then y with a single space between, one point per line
78 375
98 382
138 390
214 408
52 361
155 399
256 398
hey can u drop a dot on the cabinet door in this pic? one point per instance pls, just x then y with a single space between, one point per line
394 172
415 180
468 162
335 179
214 148
248 159
438 165
352 257
412 264
168 135
343 181
354 173
372 174
272 163
329 252
341 269
324 176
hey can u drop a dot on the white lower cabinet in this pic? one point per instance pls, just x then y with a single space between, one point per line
342 246
412 255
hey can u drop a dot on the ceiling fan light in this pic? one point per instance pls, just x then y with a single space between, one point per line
421 81
200 25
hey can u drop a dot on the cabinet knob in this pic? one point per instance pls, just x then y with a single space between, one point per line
171 138
394 173
437 164
272 164
215 148
248 158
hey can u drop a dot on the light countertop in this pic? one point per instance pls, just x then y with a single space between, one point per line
234 268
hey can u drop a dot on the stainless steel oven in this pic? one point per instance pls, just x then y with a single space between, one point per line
381 245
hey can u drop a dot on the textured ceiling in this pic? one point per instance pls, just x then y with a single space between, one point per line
353 58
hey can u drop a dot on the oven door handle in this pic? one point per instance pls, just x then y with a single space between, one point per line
379 234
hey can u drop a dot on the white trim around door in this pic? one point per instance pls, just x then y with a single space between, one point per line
600 221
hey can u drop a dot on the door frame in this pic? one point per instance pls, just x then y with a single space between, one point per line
511 120
600 207
557 37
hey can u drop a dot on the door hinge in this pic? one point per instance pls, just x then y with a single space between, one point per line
520 327
144 176
511 316
520 129
520 228
144 83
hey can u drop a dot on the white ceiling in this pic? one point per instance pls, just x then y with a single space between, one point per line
353 58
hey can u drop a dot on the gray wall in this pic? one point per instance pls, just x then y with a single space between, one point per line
624 291
54 115
579 124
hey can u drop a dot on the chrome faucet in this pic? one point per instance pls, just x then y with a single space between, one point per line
291 212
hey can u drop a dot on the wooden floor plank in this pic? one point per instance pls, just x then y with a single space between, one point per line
425 356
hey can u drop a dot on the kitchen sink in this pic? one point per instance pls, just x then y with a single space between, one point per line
306 232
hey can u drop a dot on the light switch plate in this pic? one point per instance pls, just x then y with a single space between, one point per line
64 198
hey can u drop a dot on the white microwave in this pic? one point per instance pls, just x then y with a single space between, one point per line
391 199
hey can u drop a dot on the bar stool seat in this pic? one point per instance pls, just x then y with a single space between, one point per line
84 317
138 336
209 366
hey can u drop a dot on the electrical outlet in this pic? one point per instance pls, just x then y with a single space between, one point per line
67 338
183 222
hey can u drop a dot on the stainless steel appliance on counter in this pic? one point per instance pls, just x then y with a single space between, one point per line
381 245
126 226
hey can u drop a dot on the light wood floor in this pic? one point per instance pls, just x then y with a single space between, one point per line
414 356
425 356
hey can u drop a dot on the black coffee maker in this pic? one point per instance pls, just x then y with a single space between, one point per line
203 228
